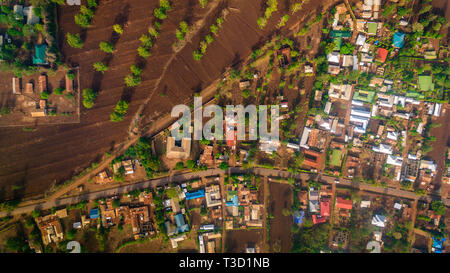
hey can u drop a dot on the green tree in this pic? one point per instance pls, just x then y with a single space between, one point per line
144 52
197 55
214 29
74 40
132 80
36 213
100 67
71 234
118 29
121 107
58 91
223 166
203 3
438 207
89 97
106 47
116 203
45 95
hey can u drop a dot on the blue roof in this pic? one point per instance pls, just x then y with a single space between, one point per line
39 54
399 39
195 194
298 217
233 203
437 243
93 214
181 224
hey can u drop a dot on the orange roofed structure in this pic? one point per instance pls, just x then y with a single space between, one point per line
341 203
382 54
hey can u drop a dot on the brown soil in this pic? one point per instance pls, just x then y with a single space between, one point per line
238 240
280 226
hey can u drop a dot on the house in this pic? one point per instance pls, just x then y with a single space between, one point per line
32 19
196 194
128 166
340 91
42 83
327 108
379 221
178 149
51 229
312 159
383 148
174 241
365 204
342 203
39 57
394 160
181 224
244 84
325 208
212 194
16 86
69 84
334 58
317 219
398 40
94 214
298 217
381 54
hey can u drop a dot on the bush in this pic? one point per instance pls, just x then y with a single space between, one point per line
179 166
144 52
89 97
45 95
118 29
223 166
100 67
246 93
203 3
106 47
197 55
58 91
36 213
74 40
132 80
71 234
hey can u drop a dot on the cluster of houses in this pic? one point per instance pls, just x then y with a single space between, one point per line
242 205
40 106
139 214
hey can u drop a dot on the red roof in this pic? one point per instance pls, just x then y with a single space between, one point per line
318 219
325 208
341 203
382 54
231 138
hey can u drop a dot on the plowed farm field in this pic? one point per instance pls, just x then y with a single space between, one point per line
33 161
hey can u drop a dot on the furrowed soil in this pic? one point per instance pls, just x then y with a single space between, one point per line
280 226
33 161
238 240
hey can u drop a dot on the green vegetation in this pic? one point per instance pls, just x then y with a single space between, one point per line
106 47
133 79
74 40
161 12
100 67
58 91
89 97
438 207
203 3
119 111
118 29
272 6
182 31
83 19
311 239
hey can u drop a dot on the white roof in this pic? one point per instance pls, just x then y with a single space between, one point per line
305 137
383 148
361 39
437 110
379 221
334 57
365 204
426 164
327 107
397 206
392 135
347 60
394 160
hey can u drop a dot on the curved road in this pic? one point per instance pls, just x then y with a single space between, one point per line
121 189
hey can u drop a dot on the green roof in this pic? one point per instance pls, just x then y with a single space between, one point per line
341 33
39 54
338 42
426 83
372 28
336 158
366 96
